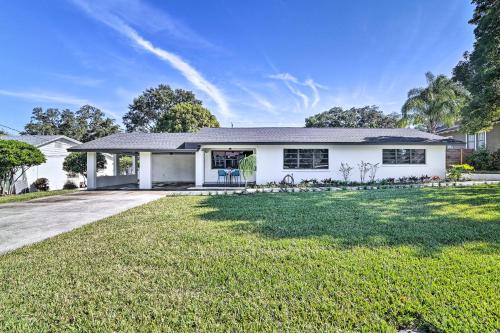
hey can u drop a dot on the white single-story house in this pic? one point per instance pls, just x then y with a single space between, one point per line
307 153
55 149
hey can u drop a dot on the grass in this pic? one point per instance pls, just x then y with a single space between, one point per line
30 196
366 261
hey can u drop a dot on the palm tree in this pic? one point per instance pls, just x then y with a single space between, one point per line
437 104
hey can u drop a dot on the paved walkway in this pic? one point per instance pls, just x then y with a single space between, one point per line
28 222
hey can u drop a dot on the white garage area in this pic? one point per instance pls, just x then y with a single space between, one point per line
165 170
173 168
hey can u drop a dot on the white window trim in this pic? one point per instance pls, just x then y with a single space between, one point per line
306 170
467 141
477 135
403 165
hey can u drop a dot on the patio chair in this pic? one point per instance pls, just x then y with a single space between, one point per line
236 175
221 174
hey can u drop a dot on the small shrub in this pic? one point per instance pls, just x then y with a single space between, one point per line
402 180
372 171
424 178
308 182
41 184
69 185
495 160
456 171
345 169
328 181
363 167
480 159
413 179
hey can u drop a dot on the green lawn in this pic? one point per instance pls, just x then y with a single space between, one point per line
30 196
367 260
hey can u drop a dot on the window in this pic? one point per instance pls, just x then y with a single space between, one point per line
225 159
481 140
305 159
471 141
403 156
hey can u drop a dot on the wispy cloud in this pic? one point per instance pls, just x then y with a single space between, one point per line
52 98
79 80
261 100
188 71
292 82
314 87
288 79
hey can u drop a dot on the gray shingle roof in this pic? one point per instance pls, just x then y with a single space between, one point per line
137 141
259 135
317 135
36 140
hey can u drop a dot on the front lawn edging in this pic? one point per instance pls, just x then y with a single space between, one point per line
248 191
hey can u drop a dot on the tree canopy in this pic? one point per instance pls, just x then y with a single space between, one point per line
15 158
367 116
77 163
479 71
86 124
157 110
437 104
186 117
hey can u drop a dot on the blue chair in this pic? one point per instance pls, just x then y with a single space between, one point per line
236 175
221 174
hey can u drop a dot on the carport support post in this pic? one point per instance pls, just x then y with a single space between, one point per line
116 165
145 167
91 170
199 168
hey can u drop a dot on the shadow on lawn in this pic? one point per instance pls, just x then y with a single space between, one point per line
426 218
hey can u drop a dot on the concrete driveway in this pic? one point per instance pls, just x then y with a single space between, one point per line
32 221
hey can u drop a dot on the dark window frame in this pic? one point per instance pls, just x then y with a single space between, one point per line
306 159
404 156
213 163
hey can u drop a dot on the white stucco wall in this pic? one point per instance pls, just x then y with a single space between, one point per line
174 168
270 162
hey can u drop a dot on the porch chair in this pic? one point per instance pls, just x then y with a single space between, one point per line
236 175
221 174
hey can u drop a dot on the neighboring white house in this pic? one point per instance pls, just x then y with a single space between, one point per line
307 153
55 149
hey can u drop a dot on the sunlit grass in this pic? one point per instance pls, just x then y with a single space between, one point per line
31 195
372 260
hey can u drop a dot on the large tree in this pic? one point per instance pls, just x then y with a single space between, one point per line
186 117
44 122
437 104
479 71
86 124
94 124
154 104
367 116
15 158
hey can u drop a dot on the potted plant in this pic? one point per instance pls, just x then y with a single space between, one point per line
248 166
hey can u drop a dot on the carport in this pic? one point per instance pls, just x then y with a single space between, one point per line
159 161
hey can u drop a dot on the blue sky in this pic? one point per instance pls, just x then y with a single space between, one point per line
253 63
